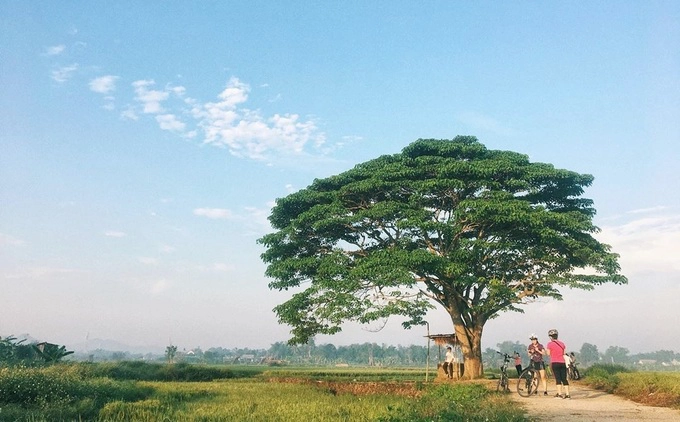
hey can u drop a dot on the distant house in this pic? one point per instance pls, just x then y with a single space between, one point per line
647 362
247 358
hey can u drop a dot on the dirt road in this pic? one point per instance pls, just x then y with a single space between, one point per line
590 405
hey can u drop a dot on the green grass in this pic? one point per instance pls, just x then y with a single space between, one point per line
350 374
651 388
113 392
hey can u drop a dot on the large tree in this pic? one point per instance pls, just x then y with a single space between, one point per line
474 230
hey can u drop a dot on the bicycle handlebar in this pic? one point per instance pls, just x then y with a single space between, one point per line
505 355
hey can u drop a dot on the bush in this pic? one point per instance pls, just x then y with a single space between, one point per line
143 371
60 392
460 402
604 377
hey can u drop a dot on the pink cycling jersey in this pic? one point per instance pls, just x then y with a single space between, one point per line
557 350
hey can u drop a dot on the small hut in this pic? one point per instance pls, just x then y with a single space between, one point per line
447 340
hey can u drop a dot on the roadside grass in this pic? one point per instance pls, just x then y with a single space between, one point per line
651 388
353 374
114 392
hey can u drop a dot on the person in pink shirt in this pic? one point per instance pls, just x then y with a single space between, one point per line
557 349
518 364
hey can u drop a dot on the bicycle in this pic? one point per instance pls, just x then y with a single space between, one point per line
528 382
572 371
504 380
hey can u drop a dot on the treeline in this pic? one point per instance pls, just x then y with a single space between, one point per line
372 354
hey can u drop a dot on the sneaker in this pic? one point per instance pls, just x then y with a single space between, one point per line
557 396
567 396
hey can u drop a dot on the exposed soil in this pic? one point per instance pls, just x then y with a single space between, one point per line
587 404
407 389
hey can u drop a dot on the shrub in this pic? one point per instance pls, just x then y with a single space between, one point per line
460 402
604 377
60 392
143 371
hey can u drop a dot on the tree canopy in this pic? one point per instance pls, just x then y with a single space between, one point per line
449 222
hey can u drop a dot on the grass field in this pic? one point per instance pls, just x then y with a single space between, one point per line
146 392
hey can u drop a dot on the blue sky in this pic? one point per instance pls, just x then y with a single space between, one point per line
144 143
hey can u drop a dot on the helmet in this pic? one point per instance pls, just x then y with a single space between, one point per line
552 333
532 336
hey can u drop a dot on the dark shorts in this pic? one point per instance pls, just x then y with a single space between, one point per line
539 366
560 371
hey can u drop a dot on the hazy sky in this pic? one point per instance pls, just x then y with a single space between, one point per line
142 145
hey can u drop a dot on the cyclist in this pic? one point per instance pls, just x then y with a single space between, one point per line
536 352
556 349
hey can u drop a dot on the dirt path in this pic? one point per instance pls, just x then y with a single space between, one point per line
590 405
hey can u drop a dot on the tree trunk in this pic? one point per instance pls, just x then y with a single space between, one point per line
470 340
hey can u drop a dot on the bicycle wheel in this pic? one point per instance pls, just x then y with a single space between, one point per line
527 383
502 383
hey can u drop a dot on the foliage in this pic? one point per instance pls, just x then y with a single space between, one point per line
170 353
616 355
59 392
477 231
143 371
457 402
370 354
14 352
604 377
651 388
52 352
589 354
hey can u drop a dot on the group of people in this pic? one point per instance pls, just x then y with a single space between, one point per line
559 360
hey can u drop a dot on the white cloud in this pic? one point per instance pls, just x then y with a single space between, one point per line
222 267
103 84
245 132
217 267
55 50
148 261
159 286
167 249
648 210
113 233
214 213
225 123
64 73
8 240
41 272
258 219
648 244
151 99
129 114
170 122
